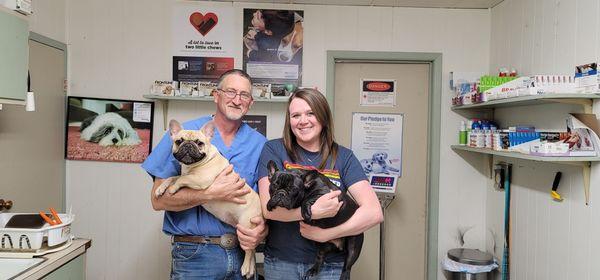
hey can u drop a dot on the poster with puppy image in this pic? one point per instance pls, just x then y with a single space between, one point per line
108 129
377 142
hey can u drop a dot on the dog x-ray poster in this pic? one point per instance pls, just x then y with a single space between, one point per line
377 142
108 129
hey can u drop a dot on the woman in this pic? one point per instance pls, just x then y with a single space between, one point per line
308 143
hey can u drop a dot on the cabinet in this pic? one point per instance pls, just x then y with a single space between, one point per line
14 57
585 100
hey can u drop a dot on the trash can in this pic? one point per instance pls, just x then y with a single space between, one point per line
469 264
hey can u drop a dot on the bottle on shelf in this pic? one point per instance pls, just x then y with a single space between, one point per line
462 134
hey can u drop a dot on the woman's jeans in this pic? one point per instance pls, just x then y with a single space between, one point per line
205 261
277 269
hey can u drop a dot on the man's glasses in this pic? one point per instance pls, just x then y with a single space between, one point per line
231 93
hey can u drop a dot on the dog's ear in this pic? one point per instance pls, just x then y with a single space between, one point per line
174 127
208 129
272 167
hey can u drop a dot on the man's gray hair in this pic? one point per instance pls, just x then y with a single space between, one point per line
238 72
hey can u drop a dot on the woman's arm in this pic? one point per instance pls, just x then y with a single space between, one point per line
366 216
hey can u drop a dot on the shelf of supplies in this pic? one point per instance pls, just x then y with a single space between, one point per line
206 99
585 100
166 99
584 162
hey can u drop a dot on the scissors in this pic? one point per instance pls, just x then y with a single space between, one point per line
55 219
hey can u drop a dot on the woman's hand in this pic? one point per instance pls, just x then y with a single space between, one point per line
315 233
326 206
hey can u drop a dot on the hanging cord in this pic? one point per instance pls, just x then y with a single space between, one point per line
28 81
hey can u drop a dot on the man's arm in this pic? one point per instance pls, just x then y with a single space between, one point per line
228 186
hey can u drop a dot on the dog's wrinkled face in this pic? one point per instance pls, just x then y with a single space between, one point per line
287 188
190 146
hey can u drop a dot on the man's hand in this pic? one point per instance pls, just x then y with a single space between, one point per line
228 186
250 238
326 206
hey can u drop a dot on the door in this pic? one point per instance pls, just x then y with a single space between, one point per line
32 165
406 217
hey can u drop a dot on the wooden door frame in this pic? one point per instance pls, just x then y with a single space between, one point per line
433 129
62 47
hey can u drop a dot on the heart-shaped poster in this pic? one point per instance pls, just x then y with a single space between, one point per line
203 23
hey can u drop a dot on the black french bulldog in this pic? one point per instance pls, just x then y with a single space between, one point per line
301 188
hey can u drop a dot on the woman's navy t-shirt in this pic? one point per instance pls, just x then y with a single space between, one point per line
284 240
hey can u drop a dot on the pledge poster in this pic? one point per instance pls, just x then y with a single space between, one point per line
377 142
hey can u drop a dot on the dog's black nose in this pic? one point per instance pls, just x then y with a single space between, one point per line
114 140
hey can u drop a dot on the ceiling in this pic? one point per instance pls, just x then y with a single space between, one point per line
456 4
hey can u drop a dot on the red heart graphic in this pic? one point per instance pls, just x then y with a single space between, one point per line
203 23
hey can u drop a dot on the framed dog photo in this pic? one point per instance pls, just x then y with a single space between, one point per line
108 129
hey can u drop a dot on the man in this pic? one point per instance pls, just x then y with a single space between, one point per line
184 215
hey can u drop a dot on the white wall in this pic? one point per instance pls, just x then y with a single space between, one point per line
49 19
550 240
117 48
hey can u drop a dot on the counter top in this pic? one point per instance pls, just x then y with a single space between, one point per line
55 260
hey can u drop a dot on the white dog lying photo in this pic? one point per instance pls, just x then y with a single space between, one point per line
109 129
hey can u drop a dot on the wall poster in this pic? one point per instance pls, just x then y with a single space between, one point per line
108 129
257 122
377 143
202 42
272 47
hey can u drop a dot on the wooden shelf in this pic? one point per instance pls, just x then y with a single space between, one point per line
518 155
571 98
204 99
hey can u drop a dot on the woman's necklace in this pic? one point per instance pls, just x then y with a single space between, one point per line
309 159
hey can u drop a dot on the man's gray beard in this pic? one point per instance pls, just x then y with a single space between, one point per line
233 116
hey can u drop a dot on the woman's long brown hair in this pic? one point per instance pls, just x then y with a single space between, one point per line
317 102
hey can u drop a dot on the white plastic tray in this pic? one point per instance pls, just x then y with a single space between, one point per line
32 240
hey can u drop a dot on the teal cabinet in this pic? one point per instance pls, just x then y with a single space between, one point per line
14 56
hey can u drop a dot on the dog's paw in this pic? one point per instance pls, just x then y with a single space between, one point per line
159 191
247 270
174 188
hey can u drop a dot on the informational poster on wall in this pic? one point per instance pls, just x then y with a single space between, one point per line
202 42
257 122
378 92
377 143
272 46
194 69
